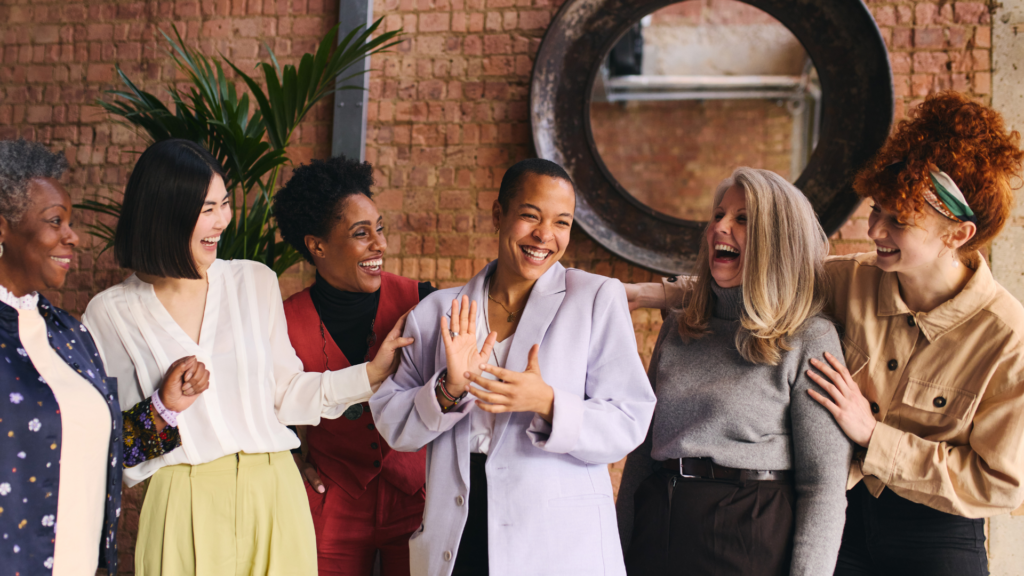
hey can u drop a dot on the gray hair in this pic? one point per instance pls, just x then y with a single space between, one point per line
20 162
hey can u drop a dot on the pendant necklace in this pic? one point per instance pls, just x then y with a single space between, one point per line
511 315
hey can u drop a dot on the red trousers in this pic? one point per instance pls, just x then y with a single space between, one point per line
350 531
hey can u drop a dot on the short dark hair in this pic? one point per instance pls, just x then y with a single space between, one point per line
162 203
20 162
512 181
309 202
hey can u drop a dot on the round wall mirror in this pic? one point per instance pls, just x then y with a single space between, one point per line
650 104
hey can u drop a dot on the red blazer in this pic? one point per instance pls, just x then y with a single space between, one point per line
351 453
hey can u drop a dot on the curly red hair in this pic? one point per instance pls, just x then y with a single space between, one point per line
964 139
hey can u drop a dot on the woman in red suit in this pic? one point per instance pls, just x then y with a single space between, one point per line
365 497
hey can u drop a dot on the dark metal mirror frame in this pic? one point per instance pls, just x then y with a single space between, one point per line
840 37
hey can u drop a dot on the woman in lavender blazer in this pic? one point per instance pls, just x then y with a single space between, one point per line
517 476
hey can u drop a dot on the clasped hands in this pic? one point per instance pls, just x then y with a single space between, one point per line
513 391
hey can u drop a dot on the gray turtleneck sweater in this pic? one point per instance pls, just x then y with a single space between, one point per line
713 403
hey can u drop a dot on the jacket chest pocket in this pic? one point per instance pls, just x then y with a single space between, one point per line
936 412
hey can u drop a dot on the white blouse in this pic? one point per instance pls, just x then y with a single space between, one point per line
256 381
482 421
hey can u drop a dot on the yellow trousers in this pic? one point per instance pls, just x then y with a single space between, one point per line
242 515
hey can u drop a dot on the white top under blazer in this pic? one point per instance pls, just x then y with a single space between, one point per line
257 385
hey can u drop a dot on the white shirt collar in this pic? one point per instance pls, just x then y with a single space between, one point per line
26 302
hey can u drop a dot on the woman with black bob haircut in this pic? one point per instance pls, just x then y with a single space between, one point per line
224 496
326 211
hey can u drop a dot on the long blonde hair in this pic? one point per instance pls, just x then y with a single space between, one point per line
783 268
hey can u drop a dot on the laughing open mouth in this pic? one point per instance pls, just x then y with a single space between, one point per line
535 255
373 265
726 252
209 241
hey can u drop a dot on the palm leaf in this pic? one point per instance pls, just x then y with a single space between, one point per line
248 133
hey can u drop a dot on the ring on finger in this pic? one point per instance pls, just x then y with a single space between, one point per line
453 333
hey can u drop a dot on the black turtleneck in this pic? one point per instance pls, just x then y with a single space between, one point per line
348 316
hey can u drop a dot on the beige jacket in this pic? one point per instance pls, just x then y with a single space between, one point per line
947 387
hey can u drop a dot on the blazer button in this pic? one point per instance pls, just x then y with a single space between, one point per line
447 556
459 500
939 402
369 426
373 445
874 408
911 322
376 463
893 364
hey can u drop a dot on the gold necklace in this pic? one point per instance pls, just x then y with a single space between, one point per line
511 314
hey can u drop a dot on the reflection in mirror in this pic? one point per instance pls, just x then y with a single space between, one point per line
697 89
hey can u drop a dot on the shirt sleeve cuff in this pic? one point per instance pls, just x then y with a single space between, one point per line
344 388
562 435
429 409
880 460
674 290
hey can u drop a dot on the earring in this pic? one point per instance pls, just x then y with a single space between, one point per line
1 250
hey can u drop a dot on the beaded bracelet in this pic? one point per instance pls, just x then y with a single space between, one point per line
169 416
442 378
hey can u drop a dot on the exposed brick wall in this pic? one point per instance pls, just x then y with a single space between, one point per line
448 109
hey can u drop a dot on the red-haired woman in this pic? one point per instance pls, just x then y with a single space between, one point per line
935 385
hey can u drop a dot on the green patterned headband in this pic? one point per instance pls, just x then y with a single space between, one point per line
947 198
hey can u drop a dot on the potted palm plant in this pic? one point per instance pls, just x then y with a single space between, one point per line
249 133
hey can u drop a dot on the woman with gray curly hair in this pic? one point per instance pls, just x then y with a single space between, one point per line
60 453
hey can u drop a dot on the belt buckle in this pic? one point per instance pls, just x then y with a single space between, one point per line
682 474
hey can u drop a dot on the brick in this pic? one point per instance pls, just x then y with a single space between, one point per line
455 200
102 73
45 34
982 37
434 22
982 83
454 245
476 23
217 28
472 45
921 84
930 62
509 20
493 22
38 114
498 66
971 13
904 15
981 60
491 156
901 62
929 38
901 38
497 44
534 20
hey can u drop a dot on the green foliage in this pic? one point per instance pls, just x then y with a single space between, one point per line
251 145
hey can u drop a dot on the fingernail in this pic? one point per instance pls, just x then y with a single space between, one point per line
320 489
467 375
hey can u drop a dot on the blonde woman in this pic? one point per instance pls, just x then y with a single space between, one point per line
742 472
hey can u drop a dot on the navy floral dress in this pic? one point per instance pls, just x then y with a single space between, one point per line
30 444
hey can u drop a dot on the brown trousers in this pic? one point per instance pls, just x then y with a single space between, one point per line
698 527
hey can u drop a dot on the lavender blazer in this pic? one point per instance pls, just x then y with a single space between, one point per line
549 497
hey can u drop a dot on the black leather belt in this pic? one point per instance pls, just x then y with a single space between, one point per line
706 469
